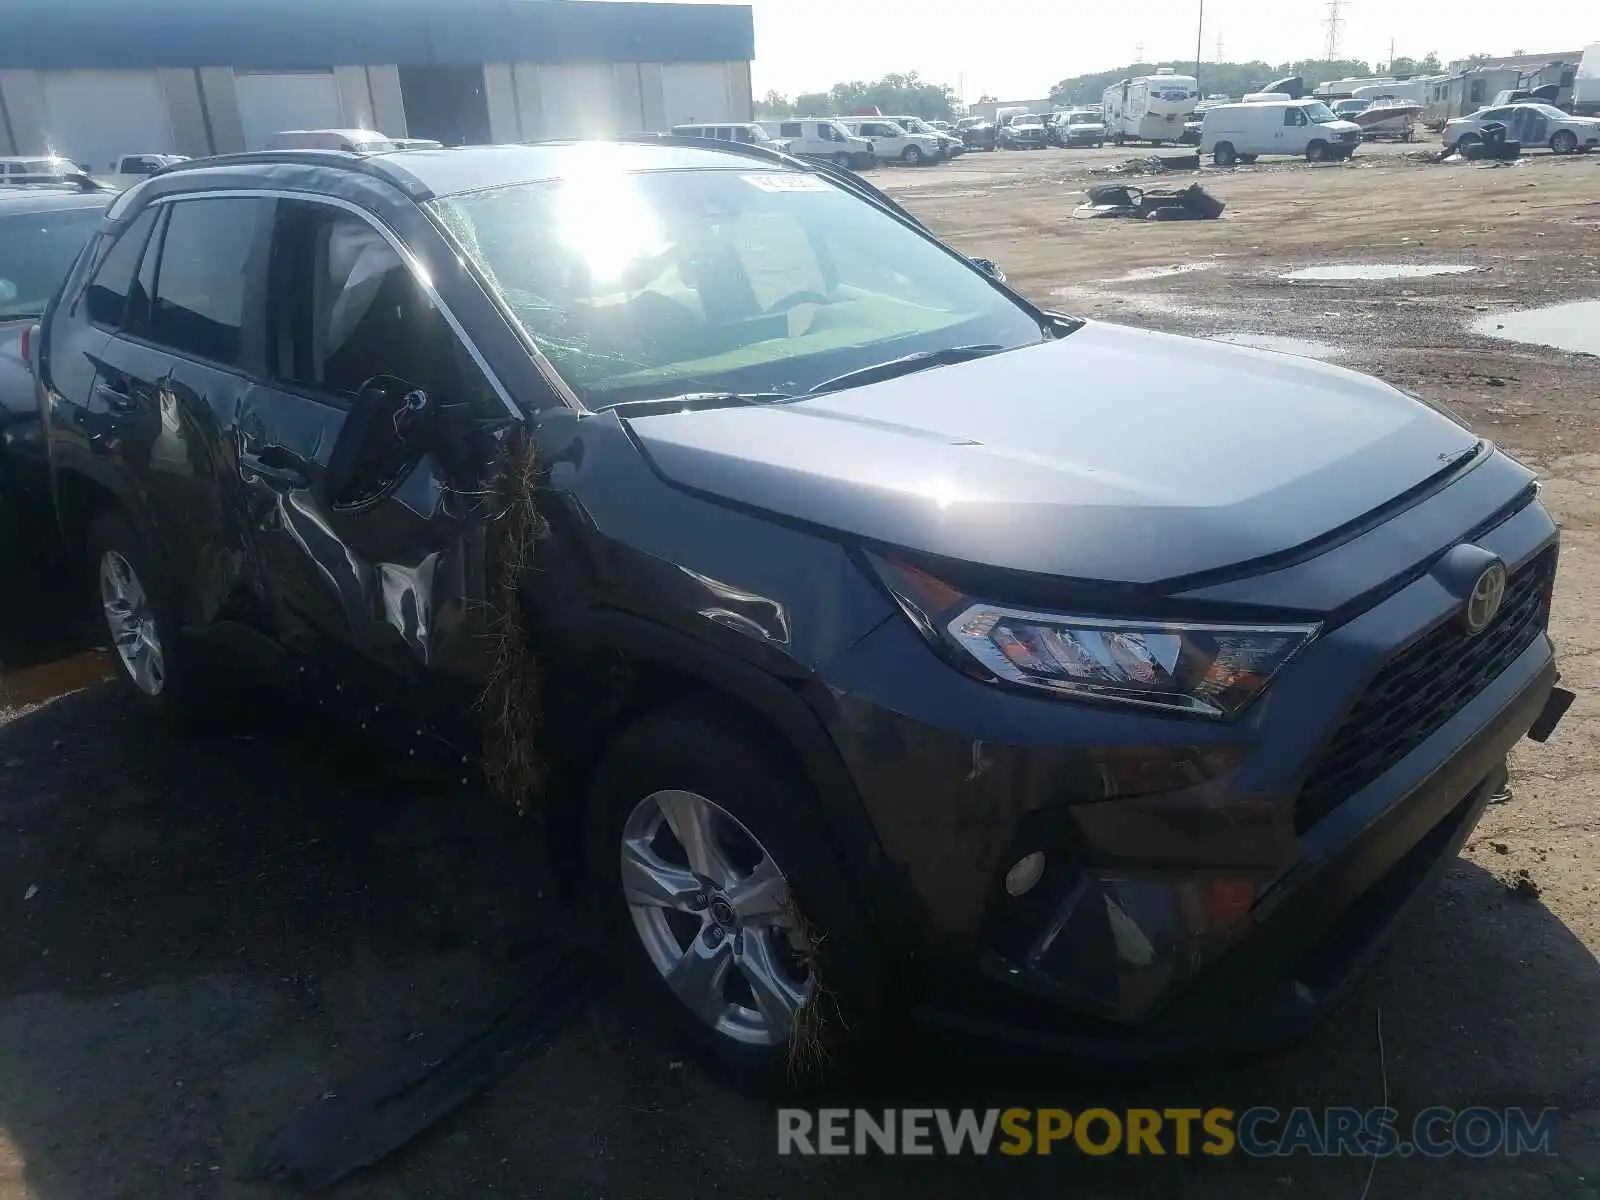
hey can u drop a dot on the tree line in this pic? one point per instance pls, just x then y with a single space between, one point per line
1235 79
912 95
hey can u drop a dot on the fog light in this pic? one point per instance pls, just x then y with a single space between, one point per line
1024 873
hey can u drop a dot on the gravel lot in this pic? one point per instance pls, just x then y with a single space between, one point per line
201 933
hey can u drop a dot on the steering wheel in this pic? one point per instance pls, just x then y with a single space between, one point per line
785 303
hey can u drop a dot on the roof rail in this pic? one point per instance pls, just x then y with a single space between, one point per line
366 164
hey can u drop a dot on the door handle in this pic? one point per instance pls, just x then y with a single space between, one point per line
274 466
116 397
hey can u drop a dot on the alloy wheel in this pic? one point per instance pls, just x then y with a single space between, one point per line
712 909
131 622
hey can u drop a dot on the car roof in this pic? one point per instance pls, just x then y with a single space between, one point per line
428 173
45 199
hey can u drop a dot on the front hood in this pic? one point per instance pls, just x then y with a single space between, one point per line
1112 454
1340 127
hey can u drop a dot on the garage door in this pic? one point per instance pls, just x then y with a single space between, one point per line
270 102
578 99
696 92
95 117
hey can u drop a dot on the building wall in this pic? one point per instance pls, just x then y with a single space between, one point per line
218 110
530 101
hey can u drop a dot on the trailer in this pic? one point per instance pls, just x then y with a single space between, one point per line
1150 108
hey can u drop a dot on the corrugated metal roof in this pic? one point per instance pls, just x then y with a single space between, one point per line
289 34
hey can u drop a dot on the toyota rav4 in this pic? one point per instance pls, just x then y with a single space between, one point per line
885 638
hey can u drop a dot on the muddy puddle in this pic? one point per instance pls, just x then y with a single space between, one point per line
1573 327
1304 347
1373 272
35 685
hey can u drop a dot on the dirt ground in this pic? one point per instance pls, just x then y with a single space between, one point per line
201 933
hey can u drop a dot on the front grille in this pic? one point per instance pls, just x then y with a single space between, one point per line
1421 688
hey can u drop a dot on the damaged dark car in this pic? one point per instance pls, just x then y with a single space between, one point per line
888 644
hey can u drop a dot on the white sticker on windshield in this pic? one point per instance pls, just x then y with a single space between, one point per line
775 181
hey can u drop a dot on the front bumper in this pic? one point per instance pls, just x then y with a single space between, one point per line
1199 893
1311 935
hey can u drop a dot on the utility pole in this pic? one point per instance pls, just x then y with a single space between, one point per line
1335 21
1219 47
1138 52
1199 34
1391 56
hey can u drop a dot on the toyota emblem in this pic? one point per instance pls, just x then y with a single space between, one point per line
1484 601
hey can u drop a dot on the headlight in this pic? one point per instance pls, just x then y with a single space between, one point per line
1211 670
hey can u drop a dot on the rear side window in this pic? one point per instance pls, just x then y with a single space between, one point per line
205 274
790 129
107 295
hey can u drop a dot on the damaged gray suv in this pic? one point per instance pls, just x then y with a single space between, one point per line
891 646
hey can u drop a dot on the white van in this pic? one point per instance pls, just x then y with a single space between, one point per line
356 141
1233 133
824 138
731 131
891 143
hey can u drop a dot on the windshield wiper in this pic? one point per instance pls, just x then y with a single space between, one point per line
693 401
896 367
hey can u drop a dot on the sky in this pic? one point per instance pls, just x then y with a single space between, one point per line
1016 49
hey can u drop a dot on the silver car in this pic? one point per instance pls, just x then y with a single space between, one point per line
1530 123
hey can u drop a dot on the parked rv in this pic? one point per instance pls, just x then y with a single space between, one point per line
1586 84
1150 108
1242 132
822 138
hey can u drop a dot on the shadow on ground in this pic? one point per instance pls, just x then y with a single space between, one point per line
227 922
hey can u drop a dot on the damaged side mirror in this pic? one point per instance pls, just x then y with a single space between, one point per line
386 432
990 268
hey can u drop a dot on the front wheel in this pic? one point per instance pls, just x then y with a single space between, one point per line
1564 142
1317 152
1224 155
911 156
723 896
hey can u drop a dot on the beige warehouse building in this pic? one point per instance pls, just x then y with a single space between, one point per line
96 79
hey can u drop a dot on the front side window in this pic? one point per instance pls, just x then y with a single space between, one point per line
641 285
345 308
106 298
1294 116
36 252
201 282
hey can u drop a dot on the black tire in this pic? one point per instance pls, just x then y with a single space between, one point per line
1317 151
1223 154
911 156
1564 141
1462 142
709 747
112 534
1247 159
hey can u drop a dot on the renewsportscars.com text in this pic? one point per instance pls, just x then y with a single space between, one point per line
1259 1132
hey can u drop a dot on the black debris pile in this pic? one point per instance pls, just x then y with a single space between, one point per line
1496 144
1192 203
